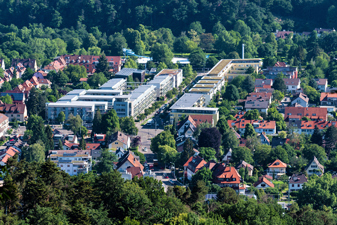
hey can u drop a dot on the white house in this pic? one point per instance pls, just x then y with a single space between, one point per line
277 168
300 100
322 84
193 164
228 156
296 182
292 84
314 167
263 183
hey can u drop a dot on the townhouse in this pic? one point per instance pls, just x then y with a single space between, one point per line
260 126
297 113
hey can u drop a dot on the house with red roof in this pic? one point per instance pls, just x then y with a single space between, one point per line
280 64
263 183
128 160
227 176
328 99
297 113
264 83
192 166
277 168
282 34
14 111
8 153
187 127
260 126
308 127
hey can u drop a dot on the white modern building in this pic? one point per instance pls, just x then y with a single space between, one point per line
177 75
163 84
114 84
72 163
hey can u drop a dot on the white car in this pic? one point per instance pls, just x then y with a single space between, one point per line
145 149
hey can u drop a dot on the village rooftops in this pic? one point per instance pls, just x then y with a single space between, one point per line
259 124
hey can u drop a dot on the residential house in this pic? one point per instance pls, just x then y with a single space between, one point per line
4 124
191 122
283 34
264 83
129 159
280 64
132 172
300 100
260 105
193 164
264 139
56 65
120 152
227 176
328 99
25 86
297 113
321 31
322 84
8 153
288 72
265 96
292 84
227 158
31 63
276 141
314 167
72 163
71 138
260 126
38 83
119 139
263 183
245 165
264 89
296 182
19 97
14 72
14 111
100 138
307 127
40 74
277 168
90 62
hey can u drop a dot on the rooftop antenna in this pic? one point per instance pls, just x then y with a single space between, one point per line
243 51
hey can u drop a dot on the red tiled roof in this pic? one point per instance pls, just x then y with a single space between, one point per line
310 112
226 172
83 79
325 96
265 180
194 163
280 64
5 159
135 171
263 124
283 34
277 164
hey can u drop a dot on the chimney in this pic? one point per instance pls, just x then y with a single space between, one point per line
243 51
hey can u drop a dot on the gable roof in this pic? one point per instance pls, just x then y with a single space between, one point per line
131 158
298 179
264 180
263 82
259 96
120 136
194 163
241 123
280 64
320 81
320 166
277 164
301 96
310 112
244 165
325 96
265 137
256 104
291 82
227 174
13 108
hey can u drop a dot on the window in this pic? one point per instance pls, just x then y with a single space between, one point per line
116 143
263 185
293 185
68 166
298 185
74 170
61 165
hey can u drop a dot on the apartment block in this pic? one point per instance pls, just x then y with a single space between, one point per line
141 98
177 75
72 163
114 84
163 84
192 104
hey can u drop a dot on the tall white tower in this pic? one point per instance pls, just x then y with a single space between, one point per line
243 51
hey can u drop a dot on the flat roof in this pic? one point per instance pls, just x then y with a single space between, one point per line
199 108
219 66
159 79
69 98
96 97
112 83
187 100
208 82
204 86
100 91
204 90
140 91
67 104
77 92
128 71
169 72
211 78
